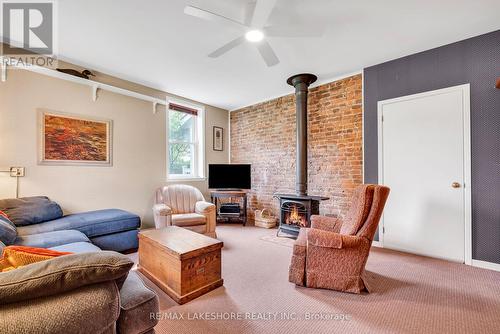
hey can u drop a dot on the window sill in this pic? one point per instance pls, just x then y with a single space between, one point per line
185 178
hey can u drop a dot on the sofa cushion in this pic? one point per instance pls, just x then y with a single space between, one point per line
51 239
89 309
62 274
77 247
118 242
188 219
8 231
30 210
91 223
137 302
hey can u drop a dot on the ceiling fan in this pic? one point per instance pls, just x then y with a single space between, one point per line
254 28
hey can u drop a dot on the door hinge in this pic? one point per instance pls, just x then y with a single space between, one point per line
382 118
383 229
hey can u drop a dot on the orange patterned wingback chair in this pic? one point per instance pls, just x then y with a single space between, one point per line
332 253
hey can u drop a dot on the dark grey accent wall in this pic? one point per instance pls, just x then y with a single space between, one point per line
475 61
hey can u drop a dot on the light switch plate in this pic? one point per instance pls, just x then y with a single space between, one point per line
16 171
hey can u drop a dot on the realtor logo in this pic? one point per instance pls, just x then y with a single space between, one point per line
28 27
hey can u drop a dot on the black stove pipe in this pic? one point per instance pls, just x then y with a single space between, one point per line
301 83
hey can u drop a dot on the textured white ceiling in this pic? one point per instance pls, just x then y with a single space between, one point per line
153 43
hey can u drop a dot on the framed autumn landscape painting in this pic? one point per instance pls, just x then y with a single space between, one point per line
67 139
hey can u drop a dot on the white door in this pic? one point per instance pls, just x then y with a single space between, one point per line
424 154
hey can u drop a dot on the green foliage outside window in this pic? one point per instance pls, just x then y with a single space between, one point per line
181 131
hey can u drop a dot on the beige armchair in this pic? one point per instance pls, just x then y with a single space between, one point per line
184 206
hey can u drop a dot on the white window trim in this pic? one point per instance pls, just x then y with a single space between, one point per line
199 144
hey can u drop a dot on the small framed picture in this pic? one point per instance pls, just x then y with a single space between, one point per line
218 139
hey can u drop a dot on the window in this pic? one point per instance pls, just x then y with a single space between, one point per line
185 158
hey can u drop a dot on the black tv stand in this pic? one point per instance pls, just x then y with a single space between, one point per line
241 216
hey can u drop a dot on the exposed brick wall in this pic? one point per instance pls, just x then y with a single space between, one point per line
264 135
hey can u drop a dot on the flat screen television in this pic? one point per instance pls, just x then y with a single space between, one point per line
229 176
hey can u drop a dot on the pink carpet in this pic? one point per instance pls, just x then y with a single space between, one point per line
411 294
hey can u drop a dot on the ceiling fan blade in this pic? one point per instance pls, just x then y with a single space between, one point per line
293 31
267 52
209 16
263 9
225 48
249 11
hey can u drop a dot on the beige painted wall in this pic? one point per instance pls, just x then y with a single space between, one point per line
139 145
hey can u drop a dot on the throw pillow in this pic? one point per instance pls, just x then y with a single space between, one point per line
62 274
8 231
17 256
30 210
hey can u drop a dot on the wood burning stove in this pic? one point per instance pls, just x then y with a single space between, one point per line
296 209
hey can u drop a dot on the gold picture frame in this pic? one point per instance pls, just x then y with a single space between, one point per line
72 139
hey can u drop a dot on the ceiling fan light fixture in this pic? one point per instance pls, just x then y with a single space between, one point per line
254 36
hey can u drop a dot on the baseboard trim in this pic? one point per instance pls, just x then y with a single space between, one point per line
475 263
486 265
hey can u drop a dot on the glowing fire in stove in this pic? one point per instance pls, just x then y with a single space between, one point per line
295 218
295 214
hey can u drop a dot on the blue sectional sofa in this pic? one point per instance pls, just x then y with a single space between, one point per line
29 223
110 229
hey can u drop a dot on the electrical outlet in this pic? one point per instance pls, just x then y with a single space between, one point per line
16 171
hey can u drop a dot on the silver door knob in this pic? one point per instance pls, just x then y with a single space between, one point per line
455 185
